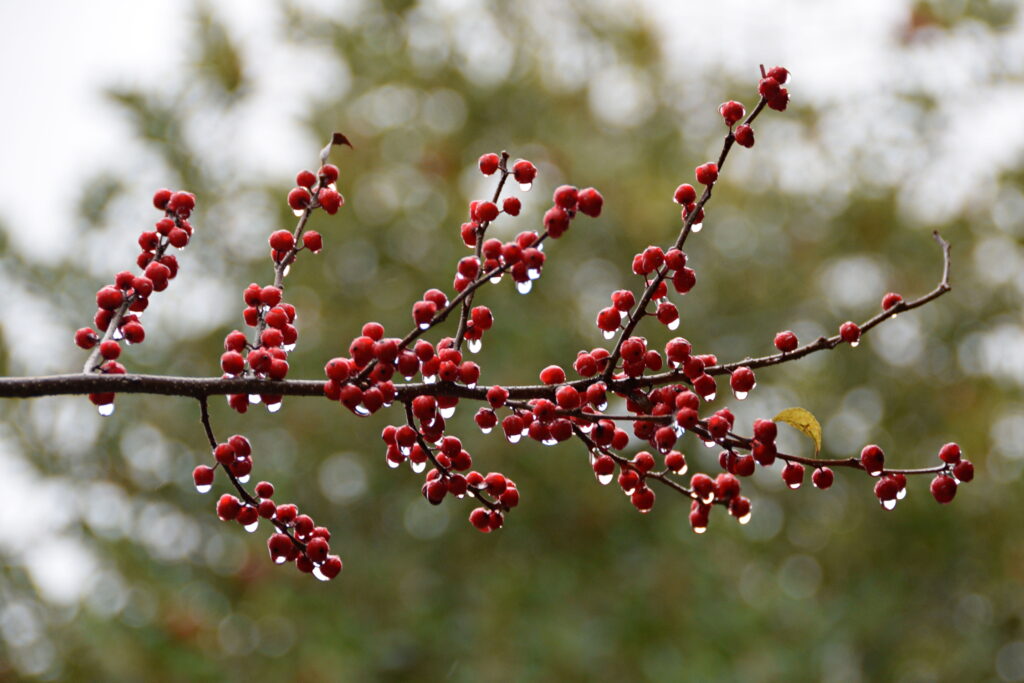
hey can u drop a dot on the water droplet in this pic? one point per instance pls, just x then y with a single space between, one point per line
319 574
549 441
274 407
405 450
288 348
446 413
678 430
889 504
602 407
709 444
629 492
279 559
696 227
683 470
252 527
496 279
711 396
486 430
745 518
605 479
204 488
699 529
106 410
430 380
298 212
333 186
474 346
901 494
525 187
708 498
471 385
524 287
893 316
362 411
608 335
117 336
533 273
795 485
540 247
424 326
254 399
674 325
623 314
587 427
408 378
514 438
855 344
740 395
418 467
391 463
244 479
287 269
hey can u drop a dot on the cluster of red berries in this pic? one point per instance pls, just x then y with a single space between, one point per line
273 319
120 305
297 538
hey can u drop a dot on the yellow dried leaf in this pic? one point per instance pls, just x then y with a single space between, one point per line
803 421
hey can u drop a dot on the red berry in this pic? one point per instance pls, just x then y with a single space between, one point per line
732 111
590 202
282 240
684 280
872 459
890 300
703 486
742 380
331 200
849 332
685 194
707 173
950 453
228 507
86 338
765 431
643 499
886 488
329 172
943 488
512 206
552 374
485 212
780 74
110 349
768 87
566 196
109 298
489 163
744 135
181 203
202 475
160 198
964 470
793 474
786 341
305 179
232 362
556 221
823 478
299 198
524 172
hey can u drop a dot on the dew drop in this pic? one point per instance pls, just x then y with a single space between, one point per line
514 438
745 518
496 279
901 494
699 529
533 273
424 326
525 187
486 430
629 492
587 428
430 380
204 488
605 479
274 407
709 444
683 470
319 574
333 186
644 512
696 227
549 441
252 527
408 378
678 430
893 316
106 410
602 407
711 396
446 413
362 411
287 269
524 287
254 399
708 498
298 212
279 559
244 479
391 463
288 348
623 314
855 344
740 395
418 467
889 504
471 385
674 325
795 485
540 247
608 335
474 346
405 450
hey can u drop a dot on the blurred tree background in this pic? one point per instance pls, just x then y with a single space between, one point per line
114 568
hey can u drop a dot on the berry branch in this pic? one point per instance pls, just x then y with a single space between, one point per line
661 405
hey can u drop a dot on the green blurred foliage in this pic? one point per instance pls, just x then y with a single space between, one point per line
820 586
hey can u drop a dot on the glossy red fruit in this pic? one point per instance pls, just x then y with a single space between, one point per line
943 488
890 300
731 111
590 202
489 163
707 173
872 459
786 341
823 478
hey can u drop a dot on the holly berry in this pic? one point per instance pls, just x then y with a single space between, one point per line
872 459
299 198
950 453
685 194
890 300
707 173
744 136
786 341
524 172
590 202
823 478
732 112
849 332
489 163
943 488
